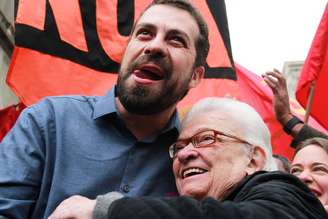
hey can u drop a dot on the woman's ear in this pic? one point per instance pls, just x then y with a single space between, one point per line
257 161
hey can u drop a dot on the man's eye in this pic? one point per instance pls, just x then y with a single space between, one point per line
179 41
142 33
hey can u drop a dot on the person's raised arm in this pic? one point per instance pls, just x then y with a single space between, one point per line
276 81
292 125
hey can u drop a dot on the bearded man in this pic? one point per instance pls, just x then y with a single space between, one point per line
85 145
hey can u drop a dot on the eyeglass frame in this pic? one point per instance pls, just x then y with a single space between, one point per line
195 145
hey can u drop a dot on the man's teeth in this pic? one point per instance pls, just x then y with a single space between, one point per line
192 171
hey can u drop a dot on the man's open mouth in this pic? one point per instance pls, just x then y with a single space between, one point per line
150 72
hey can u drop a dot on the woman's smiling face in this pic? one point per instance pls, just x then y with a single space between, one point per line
211 170
310 164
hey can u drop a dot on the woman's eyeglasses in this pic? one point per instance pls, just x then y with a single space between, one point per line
205 138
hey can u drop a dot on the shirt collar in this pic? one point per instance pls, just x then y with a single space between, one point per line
172 128
173 123
105 105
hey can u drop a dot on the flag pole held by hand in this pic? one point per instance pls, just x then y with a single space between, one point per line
309 102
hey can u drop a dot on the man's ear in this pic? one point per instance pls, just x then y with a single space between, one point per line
257 162
197 76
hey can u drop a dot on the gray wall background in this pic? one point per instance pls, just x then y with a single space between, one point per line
7 97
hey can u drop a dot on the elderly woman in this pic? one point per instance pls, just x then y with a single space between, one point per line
310 164
218 163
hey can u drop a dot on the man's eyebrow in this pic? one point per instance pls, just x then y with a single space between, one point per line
170 31
145 25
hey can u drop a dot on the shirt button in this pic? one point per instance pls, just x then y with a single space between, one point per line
126 188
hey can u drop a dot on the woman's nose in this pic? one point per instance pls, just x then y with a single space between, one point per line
187 153
306 176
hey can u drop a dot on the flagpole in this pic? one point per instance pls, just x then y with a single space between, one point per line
309 102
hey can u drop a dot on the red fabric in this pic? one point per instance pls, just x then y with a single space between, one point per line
51 76
8 117
82 56
316 69
70 32
208 88
35 19
255 92
59 53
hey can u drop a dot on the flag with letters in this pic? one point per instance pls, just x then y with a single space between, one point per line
75 47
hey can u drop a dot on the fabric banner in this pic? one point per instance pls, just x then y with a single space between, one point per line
8 117
75 47
315 69
254 91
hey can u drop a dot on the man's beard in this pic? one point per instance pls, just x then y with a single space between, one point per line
142 100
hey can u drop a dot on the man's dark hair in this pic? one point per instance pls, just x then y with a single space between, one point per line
202 43
284 161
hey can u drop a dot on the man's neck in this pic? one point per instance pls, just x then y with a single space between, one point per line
142 126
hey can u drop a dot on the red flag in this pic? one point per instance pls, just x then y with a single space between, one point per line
316 69
75 47
8 117
255 92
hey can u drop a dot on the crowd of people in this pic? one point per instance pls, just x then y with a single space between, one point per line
127 155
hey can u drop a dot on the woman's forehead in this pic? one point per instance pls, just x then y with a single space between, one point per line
210 120
311 153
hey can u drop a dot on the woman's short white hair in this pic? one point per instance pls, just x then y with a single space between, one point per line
253 127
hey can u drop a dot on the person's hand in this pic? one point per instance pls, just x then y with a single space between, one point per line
74 207
276 81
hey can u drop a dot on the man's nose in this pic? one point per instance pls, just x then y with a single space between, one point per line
187 153
156 47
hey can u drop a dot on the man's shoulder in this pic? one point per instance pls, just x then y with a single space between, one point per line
72 105
64 102
70 99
